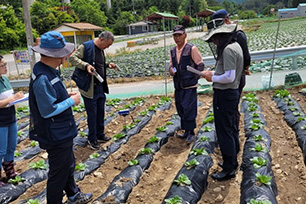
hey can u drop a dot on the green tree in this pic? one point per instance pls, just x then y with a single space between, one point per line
125 18
89 11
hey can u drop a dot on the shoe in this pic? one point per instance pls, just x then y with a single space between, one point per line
94 144
103 139
223 175
80 198
221 165
190 138
183 136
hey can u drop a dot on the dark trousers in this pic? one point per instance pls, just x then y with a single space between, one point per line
225 105
95 113
186 106
61 172
240 88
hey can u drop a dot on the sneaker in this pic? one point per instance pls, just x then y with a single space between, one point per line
80 198
103 139
183 136
94 144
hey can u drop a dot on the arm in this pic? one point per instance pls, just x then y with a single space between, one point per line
46 98
76 60
242 40
226 78
7 101
197 58
171 71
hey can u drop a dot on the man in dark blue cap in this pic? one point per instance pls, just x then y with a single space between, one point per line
51 119
241 39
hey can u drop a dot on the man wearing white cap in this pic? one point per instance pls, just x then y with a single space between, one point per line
52 123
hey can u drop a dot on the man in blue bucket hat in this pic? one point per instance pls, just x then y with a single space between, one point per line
51 120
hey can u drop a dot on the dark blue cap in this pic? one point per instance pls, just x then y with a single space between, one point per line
222 13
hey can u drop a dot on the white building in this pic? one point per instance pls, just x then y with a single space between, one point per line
292 12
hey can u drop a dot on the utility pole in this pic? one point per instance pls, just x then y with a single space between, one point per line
29 34
108 4
63 5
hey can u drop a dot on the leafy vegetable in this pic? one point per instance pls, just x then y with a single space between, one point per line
33 144
258 162
80 167
162 129
258 148
146 151
196 151
174 200
169 123
182 180
253 201
143 113
209 119
17 154
83 134
153 139
281 93
264 179
16 180
38 165
258 138
118 136
133 162
94 155
204 139
31 201
191 164
207 129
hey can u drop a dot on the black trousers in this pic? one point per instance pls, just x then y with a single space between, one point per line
186 106
61 172
95 110
225 105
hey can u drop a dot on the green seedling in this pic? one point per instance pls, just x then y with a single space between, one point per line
296 113
256 126
303 127
210 114
252 108
79 108
169 123
33 144
80 167
31 201
137 120
153 139
133 162
113 102
207 129
118 136
166 99
301 119
204 139
258 148
258 138
191 164
146 151
281 93
196 151
94 155
38 165
83 134
182 180
19 133
17 154
138 101
143 113
263 179
130 126
258 162
292 109
174 200
127 106
153 107
253 201
209 119
23 109
256 121
255 115
162 129
18 179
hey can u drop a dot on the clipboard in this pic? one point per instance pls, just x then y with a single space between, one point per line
193 70
24 98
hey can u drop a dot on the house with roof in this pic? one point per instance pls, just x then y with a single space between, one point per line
78 33
300 11
142 27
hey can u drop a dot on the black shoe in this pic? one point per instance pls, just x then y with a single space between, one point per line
190 138
94 144
221 165
103 139
223 175
81 198
183 136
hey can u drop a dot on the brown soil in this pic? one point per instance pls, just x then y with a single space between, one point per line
288 166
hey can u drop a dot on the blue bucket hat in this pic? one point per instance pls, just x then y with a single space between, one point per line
53 44
222 13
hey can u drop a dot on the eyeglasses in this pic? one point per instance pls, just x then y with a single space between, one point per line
3 65
213 24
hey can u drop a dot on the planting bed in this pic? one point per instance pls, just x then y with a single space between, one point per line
152 180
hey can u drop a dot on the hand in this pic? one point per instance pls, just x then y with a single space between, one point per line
208 75
89 68
247 71
18 95
77 99
172 73
72 93
113 66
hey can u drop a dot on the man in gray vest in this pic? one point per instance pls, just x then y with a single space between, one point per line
185 82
